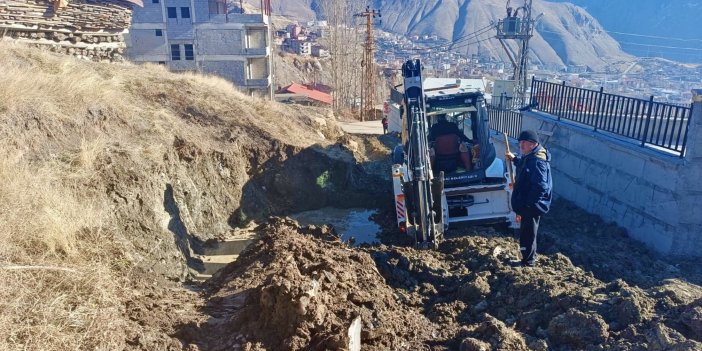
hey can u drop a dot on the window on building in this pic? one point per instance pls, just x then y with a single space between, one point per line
159 33
154 1
172 12
255 39
217 7
162 63
184 12
189 52
175 52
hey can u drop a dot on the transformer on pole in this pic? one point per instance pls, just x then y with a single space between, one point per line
518 25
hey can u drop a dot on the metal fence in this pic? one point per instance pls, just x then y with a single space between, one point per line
657 124
505 120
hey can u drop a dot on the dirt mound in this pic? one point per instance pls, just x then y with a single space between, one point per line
303 289
578 329
468 288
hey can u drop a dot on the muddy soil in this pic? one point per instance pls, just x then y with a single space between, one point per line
302 288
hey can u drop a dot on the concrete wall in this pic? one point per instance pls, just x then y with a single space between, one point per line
144 42
150 13
654 195
210 41
231 70
690 185
181 32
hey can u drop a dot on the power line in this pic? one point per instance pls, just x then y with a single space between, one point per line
462 38
653 36
632 43
661 46
465 45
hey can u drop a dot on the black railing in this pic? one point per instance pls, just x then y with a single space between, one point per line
505 120
651 123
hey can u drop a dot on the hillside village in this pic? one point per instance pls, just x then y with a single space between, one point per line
666 80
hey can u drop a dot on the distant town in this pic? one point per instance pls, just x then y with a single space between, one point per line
665 80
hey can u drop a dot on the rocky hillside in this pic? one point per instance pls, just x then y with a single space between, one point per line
674 22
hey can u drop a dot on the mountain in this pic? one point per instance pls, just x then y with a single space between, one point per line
565 35
666 29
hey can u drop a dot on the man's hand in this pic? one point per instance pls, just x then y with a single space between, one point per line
510 156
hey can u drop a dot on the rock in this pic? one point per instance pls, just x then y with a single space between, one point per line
538 345
501 337
633 309
578 329
679 292
692 319
471 344
662 338
475 289
481 306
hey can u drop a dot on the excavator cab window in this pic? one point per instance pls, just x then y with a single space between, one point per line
450 142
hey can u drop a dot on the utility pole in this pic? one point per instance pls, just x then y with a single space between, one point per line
368 89
518 27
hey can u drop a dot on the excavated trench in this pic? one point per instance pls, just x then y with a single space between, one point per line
316 186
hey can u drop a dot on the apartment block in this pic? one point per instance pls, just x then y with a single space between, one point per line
199 35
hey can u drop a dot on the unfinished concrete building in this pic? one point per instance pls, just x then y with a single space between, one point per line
200 35
91 29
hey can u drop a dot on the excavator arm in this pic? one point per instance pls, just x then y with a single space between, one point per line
422 200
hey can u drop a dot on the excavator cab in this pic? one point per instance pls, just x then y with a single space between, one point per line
450 148
445 170
463 106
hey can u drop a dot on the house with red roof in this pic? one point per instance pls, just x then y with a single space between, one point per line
300 93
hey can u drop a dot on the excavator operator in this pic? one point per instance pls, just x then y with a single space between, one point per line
449 146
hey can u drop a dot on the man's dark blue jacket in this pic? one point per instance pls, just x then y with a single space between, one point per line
532 189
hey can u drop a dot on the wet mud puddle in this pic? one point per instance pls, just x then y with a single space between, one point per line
352 224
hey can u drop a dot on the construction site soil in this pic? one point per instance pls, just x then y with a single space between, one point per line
176 162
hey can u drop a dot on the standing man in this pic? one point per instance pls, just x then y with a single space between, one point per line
531 197
385 125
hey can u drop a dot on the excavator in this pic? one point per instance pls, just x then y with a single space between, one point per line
445 170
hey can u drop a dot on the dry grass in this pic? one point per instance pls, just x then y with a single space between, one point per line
63 123
47 225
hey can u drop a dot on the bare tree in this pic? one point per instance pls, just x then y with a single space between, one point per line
346 47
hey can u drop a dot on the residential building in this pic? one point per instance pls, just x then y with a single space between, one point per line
294 30
199 35
303 48
319 51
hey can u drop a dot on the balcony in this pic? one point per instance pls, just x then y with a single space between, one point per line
258 51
